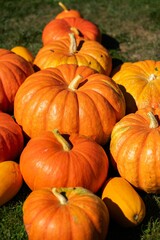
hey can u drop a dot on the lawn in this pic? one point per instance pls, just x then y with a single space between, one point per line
130 31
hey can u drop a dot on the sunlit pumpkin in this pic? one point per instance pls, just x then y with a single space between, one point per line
139 82
65 213
23 52
72 99
72 51
125 205
135 149
67 12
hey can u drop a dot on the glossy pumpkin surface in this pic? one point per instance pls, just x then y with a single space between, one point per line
65 213
23 52
74 51
11 138
139 82
125 205
13 71
71 98
57 29
58 162
135 149
10 180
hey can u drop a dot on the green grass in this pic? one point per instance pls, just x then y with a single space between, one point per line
131 32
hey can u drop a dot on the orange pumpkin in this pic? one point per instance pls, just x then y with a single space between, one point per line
13 71
125 205
10 180
74 99
74 51
139 82
11 138
60 163
135 149
57 29
67 12
65 213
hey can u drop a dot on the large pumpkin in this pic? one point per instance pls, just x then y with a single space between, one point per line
74 51
57 29
71 98
58 162
135 149
139 82
125 205
11 138
10 180
13 71
65 213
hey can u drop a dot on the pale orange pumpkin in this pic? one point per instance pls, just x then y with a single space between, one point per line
139 82
135 149
65 213
71 98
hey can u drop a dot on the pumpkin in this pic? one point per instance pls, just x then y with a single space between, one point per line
57 29
74 51
11 138
74 99
10 180
57 162
13 71
135 149
65 213
67 12
126 207
139 82
23 52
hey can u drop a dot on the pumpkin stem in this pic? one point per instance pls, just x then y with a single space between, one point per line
73 44
75 31
63 6
152 77
61 198
66 146
153 120
75 82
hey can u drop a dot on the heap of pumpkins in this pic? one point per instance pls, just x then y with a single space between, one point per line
66 117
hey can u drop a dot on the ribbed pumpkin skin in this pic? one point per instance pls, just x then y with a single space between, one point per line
135 150
85 164
11 138
13 71
45 102
139 82
57 29
88 53
83 216
125 205
10 180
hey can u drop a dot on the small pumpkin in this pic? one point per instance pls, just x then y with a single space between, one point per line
74 99
23 52
65 213
57 29
67 12
135 149
124 204
74 51
139 82
57 162
11 138
13 71
10 180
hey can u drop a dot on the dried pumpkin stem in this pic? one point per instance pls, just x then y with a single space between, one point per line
61 198
153 120
75 82
62 6
75 31
73 44
66 146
